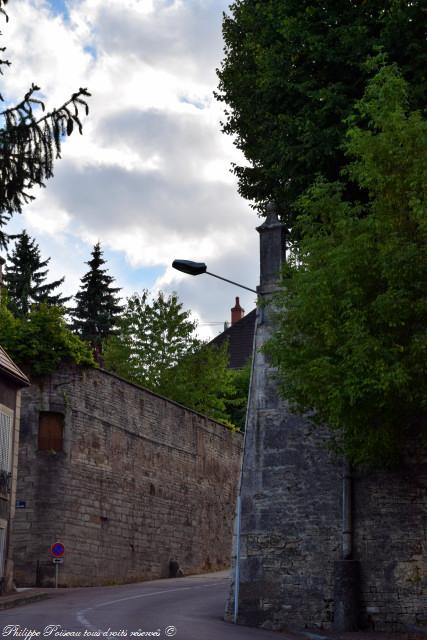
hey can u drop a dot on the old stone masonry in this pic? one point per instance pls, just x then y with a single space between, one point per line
133 485
288 565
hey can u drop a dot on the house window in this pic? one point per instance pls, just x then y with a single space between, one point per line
6 425
51 431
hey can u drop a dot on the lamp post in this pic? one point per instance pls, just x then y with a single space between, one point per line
197 268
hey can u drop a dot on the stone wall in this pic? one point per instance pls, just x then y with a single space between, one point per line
291 511
390 528
291 520
141 481
291 525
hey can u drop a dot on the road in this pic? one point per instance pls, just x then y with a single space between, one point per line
184 608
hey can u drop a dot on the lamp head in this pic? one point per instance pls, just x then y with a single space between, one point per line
187 266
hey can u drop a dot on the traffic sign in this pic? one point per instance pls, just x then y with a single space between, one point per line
57 550
57 560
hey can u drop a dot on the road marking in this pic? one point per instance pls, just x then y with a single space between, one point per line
85 623
153 593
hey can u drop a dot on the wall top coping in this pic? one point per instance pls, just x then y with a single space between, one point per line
177 404
102 371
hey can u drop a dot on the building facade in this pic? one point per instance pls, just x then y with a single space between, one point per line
129 482
12 380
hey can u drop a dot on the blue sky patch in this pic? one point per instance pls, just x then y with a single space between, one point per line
91 51
199 104
130 278
60 7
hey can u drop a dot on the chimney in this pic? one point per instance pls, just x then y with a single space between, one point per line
237 312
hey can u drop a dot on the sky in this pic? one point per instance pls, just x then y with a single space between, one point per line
150 178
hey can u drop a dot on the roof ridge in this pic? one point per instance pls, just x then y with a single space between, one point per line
240 338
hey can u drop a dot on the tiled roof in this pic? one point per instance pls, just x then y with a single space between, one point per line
9 368
240 338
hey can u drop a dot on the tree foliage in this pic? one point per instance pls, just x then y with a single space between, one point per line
237 403
25 278
152 336
156 346
291 74
97 310
30 142
42 340
202 381
351 340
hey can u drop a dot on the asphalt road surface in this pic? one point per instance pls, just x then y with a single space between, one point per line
183 608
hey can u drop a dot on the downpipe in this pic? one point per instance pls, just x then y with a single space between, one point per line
237 565
347 524
347 570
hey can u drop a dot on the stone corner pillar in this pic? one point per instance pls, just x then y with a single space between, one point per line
288 524
248 581
272 250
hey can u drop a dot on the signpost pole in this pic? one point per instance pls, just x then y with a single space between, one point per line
57 550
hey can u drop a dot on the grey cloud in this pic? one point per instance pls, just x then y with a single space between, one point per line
183 141
175 34
177 199
102 197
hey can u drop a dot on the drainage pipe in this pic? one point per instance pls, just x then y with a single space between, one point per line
237 567
347 525
347 570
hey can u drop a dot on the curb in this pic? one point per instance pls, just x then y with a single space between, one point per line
9 602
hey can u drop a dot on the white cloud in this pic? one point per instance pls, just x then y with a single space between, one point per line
150 178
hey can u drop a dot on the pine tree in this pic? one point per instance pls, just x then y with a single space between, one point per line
29 143
25 278
98 308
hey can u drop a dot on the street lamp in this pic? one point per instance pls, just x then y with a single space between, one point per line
196 268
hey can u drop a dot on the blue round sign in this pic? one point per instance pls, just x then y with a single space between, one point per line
57 550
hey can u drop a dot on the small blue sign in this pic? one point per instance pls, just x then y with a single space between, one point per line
57 550
20 504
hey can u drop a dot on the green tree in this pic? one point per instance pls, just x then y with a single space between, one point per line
237 402
25 278
202 381
97 310
156 346
152 337
291 74
29 143
42 340
351 338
